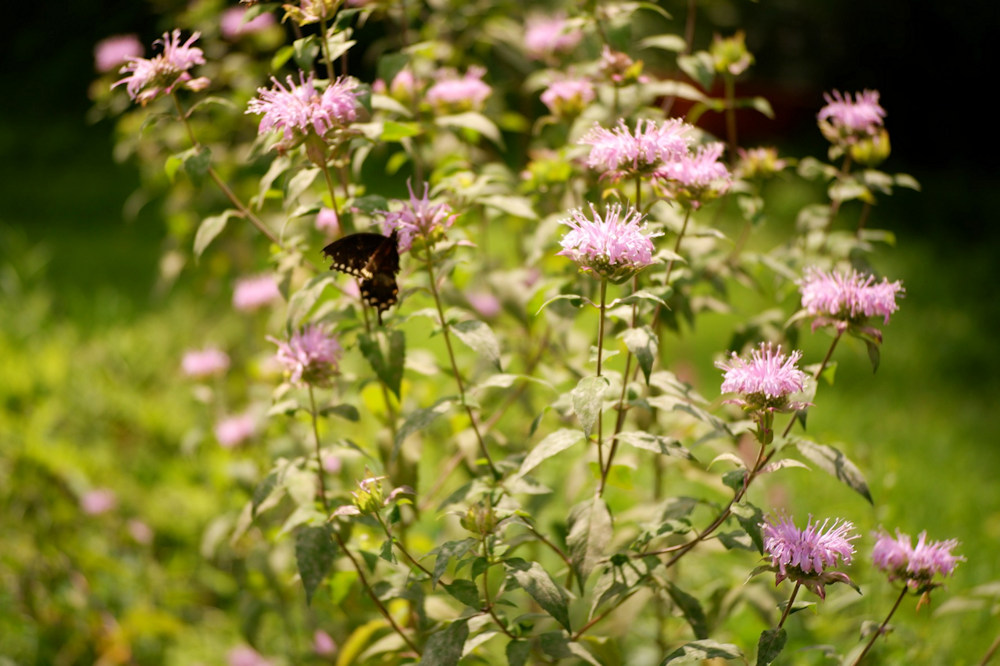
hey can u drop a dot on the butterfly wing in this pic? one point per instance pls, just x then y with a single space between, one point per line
374 260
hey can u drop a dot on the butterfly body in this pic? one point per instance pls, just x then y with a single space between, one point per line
374 260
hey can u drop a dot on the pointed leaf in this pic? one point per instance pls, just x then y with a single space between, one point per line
314 553
517 653
537 582
833 462
263 491
553 444
750 517
655 443
444 648
590 530
691 608
643 344
386 353
448 551
210 228
465 591
419 420
588 398
771 642
480 338
698 651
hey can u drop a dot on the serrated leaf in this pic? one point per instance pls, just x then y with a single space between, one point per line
419 420
643 344
315 551
444 648
835 463
655 443
209 228
691 609
551 445
448 551
537 582
479 337
474 121
385 351
465 591
304 300
590 531
698 651
588 399
770 645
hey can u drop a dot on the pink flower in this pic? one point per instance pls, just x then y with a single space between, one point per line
568 97
839 299
206 362
695 177
759 162
140 531
232 26
766 380
244 655
546 35
148 79
323 644
310 356
252 293
612 246
484 303
417 218
327 221
299 109
98 501
404 85
114 51
914 565
804 555
621 152
234 430
453 93
863 115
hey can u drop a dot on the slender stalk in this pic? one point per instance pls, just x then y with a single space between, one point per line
816 375
454 365
486 588
331 188
319 458
371 594
885 622
863 218
990 652
677 247
788 606
399 545
600 359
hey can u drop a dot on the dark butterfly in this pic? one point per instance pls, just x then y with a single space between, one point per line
374 260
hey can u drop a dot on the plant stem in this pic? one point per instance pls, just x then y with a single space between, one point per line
881 629
990 652
788 606
600 358
399 545
454 365
319 458
677 247
816 375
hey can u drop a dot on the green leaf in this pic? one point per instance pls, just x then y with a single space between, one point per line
314 552
638 296
448 551
750 517
698 651
588 399
833 462
537 582
210 228
643 344
385 552
575 300
691 608
306 50
475 121
196 162
419 420
480 338
771 642
655 443
444 648
396 131
699 66
263 491
873 354
510 204
465 591
304 300
386 353
517 653
553 444
590 531
673 43
344 411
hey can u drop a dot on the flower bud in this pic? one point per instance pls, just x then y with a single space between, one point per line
873 150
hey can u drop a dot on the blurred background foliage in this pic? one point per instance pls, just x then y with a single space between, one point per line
90 341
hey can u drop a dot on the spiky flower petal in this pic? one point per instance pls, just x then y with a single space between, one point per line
310 356
805 555
766 380
613 245
915 565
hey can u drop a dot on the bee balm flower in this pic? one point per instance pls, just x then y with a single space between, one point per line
916 565
766 380
843 298
310 356
804 555
149 78
614 246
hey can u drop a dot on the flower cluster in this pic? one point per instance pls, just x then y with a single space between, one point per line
916 565
568 97
453 93
614 246
149 78
804 555
417 218
310 356
859 116
234 430
297 110
253 293
694 177
205 362
548 35
840 299
622 152
765 381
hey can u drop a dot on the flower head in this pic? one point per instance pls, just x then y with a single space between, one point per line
233 26
310 356
97 501
253 293
547 35
761 162
614 246
804 555
621 152
766 380
234 430
916 565
115 51
453 93
327 221
568 97
695 177
149 78
844 298
204 362
846 120
297 110
417 218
